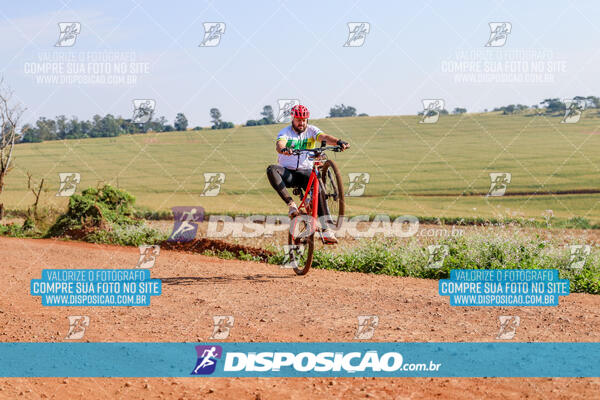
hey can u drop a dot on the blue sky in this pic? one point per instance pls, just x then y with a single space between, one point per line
290 49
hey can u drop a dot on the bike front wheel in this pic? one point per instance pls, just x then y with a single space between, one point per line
333 187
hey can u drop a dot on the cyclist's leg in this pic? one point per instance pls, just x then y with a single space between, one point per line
300 177
280 178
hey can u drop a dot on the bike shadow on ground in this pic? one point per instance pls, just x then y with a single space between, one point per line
195 280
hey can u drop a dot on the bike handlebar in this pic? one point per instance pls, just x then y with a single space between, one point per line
317 150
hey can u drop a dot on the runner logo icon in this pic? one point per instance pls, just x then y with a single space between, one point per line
77 326
431 110
579 254
148 255
186 223
499 183
366 326
498 34
292 254
508 326
207 359
358 183
143 110
212 183
437 255
573 111
212 34
285 107
68 33
222 326
357 33
68 183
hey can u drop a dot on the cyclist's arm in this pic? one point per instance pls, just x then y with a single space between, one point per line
330 140
280 146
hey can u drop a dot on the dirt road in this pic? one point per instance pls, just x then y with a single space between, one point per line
272 304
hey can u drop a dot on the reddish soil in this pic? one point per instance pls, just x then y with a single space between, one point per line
272 304
202 244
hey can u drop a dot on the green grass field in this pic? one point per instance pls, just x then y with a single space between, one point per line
437 169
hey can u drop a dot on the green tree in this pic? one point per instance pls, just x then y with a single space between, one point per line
215 116
181 122
108 127
342 111
61 127
96 126
74 129
86 128
31 134
46 128
593 101
267 113
553 105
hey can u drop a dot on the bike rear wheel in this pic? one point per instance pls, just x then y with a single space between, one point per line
301 239
333 187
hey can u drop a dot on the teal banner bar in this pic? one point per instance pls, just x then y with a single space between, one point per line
361 359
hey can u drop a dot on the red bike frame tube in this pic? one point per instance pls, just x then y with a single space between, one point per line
315 197
315 189
310 181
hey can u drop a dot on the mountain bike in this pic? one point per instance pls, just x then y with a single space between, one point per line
325 176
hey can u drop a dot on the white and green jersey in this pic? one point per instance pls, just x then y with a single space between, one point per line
293 140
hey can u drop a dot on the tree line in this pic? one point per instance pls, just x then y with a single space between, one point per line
61 127
443 111
550 105
108 126
336 111
547 106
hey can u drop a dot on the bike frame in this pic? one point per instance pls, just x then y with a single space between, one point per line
314 181
313 184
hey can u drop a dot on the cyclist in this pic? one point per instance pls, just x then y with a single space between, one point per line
294 170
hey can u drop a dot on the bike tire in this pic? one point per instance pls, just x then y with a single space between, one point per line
333 185
309 243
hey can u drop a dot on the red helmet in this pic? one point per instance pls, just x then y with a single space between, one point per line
299 111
